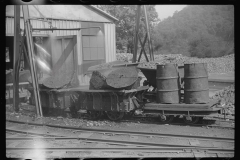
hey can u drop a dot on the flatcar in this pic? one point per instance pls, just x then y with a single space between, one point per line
188 100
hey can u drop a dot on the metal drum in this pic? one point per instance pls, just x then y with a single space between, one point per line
196 88
168 83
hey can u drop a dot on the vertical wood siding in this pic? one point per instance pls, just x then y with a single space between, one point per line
110 42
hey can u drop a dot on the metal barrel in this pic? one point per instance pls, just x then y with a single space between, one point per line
196 88
168 84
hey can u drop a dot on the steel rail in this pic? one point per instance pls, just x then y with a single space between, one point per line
128 132
144 149
92 139
174 123
55 138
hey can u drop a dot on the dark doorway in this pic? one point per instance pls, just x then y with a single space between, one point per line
9 47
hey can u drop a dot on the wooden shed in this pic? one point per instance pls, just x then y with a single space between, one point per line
88 46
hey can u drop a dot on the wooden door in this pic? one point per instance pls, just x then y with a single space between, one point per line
64 61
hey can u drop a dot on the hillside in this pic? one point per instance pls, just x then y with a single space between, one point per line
197 31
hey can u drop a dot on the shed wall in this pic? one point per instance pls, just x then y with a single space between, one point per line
110 42
108 32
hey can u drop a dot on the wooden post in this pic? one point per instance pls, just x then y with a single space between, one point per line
16 57
142 50
149 38
136 34
31 56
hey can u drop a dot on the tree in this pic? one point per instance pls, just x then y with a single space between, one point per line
199 30
125 27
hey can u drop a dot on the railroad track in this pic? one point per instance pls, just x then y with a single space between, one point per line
206 123
121 132
108 143
88 139
164 149
138 146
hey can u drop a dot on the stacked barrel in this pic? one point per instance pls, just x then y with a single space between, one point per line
195 84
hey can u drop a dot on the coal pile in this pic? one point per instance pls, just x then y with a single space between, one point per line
227 99
124 57
105 65
223 64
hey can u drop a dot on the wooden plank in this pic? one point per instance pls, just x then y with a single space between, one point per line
106 43
85 25
231 81
21 83
86 53
148 33
56 49
85 41
178 109
80 89
16 58
100 41
136 33
93 54
64 56
64 68
182 105
93 41
100 53
69 63
142 49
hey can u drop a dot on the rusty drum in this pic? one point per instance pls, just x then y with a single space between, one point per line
168 84
196 88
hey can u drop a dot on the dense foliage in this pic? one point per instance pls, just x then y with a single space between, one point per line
197 31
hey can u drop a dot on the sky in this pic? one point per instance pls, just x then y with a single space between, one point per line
164 11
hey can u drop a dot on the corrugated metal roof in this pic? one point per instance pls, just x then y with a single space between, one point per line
40 24
101 12
66 12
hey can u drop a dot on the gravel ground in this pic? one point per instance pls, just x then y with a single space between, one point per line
27 114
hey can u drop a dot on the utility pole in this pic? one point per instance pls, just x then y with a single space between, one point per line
16 57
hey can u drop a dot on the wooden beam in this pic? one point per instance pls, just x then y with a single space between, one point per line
136 33
65 54
149 37
16 57
142 49
31 56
